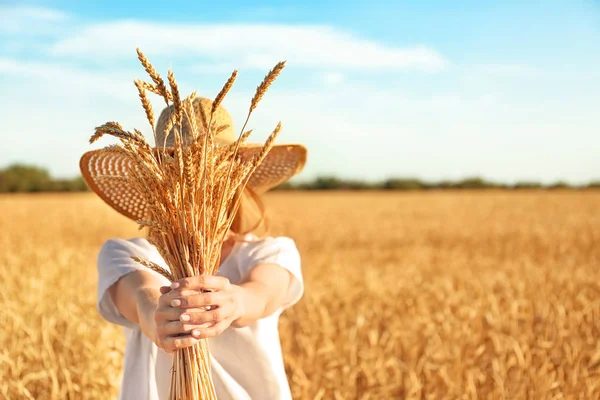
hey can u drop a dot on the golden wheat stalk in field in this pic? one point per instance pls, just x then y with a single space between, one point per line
192 191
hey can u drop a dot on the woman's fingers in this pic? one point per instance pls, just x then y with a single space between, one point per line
202 282
214 316
194 308
166 314
166 299
212 330
175 328
169 314
165 289
176 334
199 300
172 343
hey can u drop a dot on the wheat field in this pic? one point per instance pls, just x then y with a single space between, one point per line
438 295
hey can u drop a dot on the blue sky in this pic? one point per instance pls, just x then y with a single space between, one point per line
436 90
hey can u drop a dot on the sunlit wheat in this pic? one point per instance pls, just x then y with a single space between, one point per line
459 295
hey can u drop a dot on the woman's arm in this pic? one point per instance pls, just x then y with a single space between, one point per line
177 317
136 296
263 291
141 299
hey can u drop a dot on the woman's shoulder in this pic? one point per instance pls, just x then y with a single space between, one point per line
251 241
256 248
120 246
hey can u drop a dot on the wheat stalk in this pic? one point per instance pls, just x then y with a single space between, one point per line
224 91
176 98
154 89
264 86
145 102
154 267
158 81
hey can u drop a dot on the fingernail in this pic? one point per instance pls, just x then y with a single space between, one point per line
174 285
176 303
196 333
185 317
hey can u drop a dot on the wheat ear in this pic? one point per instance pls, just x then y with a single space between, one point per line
145 102
154 267
158 81
224 91
264 86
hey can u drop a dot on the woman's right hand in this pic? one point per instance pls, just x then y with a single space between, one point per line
171 333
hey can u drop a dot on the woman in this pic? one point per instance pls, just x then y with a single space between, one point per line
259 277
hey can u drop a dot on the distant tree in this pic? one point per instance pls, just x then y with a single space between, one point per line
444 185
24 178
473 183
333 183
594 185
403 184
285 186
326 183
78 185
559 185
527 185
69 185
359 185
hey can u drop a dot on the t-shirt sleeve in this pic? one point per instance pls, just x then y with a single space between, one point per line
114 262
283 252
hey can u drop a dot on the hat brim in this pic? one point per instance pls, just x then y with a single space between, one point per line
281 163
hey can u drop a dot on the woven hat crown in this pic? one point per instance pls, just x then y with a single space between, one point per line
281 163
202 107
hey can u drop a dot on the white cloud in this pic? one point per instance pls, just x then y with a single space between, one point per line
507 70
333 78
27 12
246 45
29 20
62 78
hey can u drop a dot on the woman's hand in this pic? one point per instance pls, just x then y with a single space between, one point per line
204 306
196 308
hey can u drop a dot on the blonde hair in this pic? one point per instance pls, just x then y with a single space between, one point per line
250 217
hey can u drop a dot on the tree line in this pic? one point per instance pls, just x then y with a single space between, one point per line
20 178
333 183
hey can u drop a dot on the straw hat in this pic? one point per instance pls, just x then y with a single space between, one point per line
281 163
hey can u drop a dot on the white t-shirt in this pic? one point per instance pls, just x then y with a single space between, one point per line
247 362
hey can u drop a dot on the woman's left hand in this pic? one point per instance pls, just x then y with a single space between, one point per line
211 302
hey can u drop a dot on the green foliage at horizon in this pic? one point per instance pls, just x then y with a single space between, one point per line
21 178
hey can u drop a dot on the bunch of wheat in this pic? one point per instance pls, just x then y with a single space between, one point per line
191 191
